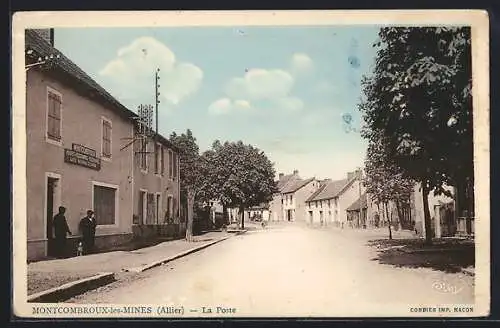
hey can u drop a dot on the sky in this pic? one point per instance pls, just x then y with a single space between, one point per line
285 90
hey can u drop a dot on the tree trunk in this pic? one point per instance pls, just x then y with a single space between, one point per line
427 214
401 219
389 222
224 215
242 212
190 212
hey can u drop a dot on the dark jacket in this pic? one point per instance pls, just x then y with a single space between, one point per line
60 225
87 227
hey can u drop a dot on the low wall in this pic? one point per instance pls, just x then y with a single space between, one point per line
37 249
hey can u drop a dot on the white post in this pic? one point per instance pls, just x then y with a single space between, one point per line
437 220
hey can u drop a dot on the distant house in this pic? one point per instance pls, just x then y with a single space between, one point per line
357 213
259 212
330 202
411 217
442 212
276 211
294 196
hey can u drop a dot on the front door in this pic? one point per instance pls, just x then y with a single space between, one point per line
50 212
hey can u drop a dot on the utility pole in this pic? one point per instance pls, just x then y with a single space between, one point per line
157 94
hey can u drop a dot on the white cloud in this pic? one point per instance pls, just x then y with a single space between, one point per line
325 87
225 106
301 62
272 85
132 71
259 84
292 104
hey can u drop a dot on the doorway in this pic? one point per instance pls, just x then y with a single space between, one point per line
51 207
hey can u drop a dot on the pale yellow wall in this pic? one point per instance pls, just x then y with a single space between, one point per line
81 123
154 183
298 203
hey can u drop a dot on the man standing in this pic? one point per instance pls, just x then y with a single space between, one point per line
61 230
87 229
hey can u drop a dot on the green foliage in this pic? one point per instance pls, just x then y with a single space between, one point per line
419 100
194 167
384 180
241 175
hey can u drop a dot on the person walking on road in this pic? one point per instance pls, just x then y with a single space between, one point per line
61 230
87 229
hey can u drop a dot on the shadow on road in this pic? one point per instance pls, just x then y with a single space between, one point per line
443 255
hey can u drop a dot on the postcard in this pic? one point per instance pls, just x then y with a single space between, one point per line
243 164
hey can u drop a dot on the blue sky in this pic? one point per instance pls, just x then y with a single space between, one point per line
282 89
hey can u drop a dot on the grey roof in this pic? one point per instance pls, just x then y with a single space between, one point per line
296 185
359 203
330 189
281 183
85 84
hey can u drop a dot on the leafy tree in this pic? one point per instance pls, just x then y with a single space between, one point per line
384 180
419 99
241 175
193 170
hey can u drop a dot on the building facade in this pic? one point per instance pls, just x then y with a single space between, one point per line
84 152
294 197
156 187
276 211
329 204
74 155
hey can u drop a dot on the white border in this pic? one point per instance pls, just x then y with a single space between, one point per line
117 203
480 34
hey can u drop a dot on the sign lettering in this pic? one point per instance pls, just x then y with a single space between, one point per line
84 150
82 158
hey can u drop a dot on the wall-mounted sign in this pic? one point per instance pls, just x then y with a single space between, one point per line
83 156
84 150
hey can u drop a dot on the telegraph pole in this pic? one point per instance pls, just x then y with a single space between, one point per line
157 94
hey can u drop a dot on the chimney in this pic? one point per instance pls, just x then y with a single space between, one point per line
281 175
350 175
47 34
295 172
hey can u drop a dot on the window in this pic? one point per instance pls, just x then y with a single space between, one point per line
316 204
157 159
105 204
170 163
106 138
54 101
329 203
150 208
142 206
158 208
162 160
175 164
169 214
143 150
